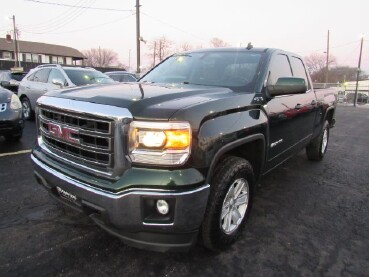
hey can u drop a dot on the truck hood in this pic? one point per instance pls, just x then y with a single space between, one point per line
153 101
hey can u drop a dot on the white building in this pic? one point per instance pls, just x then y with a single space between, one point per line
36 52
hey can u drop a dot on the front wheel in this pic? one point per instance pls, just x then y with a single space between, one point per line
317 148
27 109
229 203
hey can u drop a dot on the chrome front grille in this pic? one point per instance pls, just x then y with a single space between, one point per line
87 124
84 140
85 136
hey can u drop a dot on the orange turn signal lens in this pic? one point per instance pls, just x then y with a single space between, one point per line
178 139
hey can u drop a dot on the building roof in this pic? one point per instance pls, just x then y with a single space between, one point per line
41 48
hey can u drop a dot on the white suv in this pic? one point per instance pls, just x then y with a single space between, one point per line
49 77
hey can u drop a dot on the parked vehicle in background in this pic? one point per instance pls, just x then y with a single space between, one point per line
122 76
49 77
11 80
178 154
11 119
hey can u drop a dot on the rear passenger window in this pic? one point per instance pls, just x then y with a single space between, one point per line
299 70
279 67
42 75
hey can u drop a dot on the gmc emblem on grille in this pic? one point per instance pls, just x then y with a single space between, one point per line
63 132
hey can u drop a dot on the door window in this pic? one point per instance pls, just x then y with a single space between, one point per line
299 70
56 75
279 67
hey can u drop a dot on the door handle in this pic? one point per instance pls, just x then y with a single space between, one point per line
298 106
313 103
28 87
45 90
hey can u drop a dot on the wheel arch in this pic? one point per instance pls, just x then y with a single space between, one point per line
22 96
251 148
329 115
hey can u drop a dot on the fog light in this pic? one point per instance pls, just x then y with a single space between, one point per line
162 206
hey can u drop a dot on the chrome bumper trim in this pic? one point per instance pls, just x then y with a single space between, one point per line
127 192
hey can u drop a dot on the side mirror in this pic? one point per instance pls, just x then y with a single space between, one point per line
287 85
5 84
58 83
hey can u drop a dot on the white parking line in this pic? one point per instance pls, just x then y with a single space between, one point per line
16 153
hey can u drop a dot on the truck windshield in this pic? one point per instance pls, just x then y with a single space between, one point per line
234 69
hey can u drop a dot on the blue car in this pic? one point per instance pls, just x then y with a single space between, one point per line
11 117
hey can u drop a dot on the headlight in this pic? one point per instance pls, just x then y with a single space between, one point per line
15 104
159 143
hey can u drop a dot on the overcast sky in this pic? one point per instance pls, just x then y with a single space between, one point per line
293 25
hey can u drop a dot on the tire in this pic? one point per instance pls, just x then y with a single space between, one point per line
219 233
317 148
27 111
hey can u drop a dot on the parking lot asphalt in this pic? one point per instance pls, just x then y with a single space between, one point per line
308 219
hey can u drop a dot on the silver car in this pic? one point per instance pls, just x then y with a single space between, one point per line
49 77
122 76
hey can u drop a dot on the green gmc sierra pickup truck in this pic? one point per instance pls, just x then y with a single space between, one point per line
176 156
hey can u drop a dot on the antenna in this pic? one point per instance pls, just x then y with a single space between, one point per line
249 46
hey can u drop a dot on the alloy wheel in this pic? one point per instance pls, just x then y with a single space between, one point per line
234 206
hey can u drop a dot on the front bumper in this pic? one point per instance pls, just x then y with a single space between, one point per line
128 214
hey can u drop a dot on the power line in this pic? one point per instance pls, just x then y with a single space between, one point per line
95 26
170 25
60 23
56 18
332 47
76 6
350 54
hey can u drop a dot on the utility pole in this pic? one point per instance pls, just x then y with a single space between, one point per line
16 62
138 35
358 70
327 63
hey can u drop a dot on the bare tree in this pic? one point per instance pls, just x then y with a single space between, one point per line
316 64
185 46
199 46
100 57
160 48
217 42
343 74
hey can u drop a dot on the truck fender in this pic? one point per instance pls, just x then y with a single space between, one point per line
233 145
331 124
